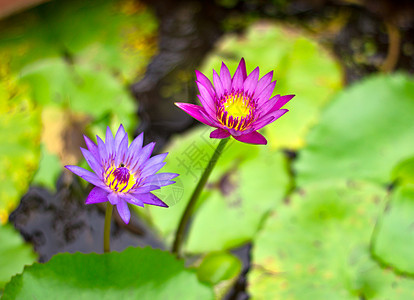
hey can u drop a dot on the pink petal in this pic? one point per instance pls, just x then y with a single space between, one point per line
208 107
225 77
266 93
97 195
218 85
269 118
251 82
263 82
207 99
219 133
281 101
205 82
194 111
239 76
252 138
265 108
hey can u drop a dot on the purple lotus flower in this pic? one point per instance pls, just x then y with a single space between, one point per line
123 174
237 106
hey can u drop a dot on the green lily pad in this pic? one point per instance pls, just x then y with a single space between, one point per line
136 273
363 134
49 169
403 173
394 239
118 36
246 183
218 266
220 269
301 67
317 247
20 127
81 88
14 254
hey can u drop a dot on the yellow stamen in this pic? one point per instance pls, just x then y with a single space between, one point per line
116 183
237 106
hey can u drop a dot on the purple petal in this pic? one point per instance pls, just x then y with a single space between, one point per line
97 195
93 148
239 76
281 101
152 169
251 82
155 160
194 111
219 133
144 189
134 148
263 82
142 157
151 199
218 85
225 77
156 179
131 199
113 198
90 159
122 151
103 154
87 175
266 93
119 136
109 141
252 138
123 210
162 183
205 82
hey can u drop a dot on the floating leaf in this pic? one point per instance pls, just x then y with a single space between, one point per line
118 36
19 148
363 134
14 254
317 247
81 89
302 67
48 171
403 173
136 273
218 266
394 240
220 269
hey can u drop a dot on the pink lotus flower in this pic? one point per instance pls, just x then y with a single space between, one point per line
237 106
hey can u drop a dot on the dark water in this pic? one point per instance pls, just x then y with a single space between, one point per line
61 222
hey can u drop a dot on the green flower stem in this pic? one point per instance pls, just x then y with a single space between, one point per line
179 235
107 227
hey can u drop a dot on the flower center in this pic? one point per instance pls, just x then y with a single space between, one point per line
235 111
119 179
